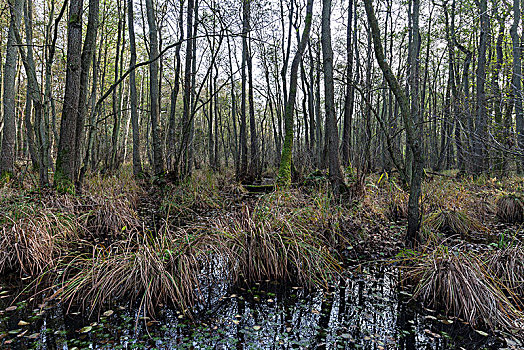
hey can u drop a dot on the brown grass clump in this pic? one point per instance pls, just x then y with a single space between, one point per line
273 241
452 222
461 283
508 265
199 193
33 237
152 270
510 209
397 207
112 204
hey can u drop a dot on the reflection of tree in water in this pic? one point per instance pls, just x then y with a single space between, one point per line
405 322
323 322
240 333
364 309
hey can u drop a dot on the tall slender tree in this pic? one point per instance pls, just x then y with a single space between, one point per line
158 161
336 176
137 162
284 172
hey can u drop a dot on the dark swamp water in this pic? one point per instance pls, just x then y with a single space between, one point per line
364 310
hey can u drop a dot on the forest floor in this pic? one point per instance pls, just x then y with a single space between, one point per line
128 245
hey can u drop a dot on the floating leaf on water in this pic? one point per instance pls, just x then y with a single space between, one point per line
22 334
256 328
23 323
238 316
86 329
11 308
288 329
233 296
367 338
270 300
429 317
180 316
236 321
34 336
108 313
15 331
315 311
482 333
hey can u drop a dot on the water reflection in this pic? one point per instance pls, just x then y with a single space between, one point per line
363 310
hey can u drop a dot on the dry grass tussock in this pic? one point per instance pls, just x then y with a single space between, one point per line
283 237
201 192
510 208
508 265
462 283
164 269
113 202
452 222
37 228
33 235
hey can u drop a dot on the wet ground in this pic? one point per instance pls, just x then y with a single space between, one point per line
366 309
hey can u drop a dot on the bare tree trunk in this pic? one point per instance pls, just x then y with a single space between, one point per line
481 118
517 76
115 97
7 153
186 116
336 176
65 175
255 152
350 91
284 172
137 162
88 52
171 145
413 141
243 111
158 162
